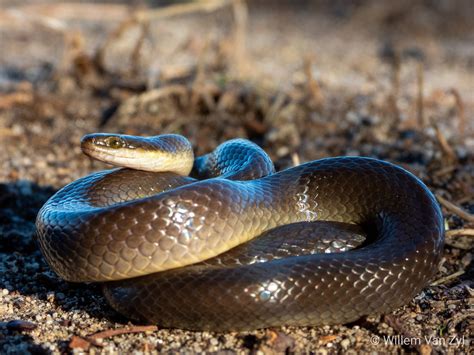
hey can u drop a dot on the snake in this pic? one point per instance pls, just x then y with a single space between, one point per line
223 242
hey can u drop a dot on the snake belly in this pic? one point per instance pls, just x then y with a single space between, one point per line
148 235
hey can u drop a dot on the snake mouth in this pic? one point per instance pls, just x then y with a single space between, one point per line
106 154
118 157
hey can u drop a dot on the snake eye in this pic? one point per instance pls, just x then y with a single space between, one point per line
114 142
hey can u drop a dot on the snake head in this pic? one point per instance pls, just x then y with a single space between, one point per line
168 152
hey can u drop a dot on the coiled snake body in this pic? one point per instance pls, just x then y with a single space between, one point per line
322 243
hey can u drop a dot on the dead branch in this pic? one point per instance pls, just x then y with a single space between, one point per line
445 279
113 332
460 111
395 64
77 342
444 144
457 232
455 209
241 16
313 86
420 103
180 9
135 56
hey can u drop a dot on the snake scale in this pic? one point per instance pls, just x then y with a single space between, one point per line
239 246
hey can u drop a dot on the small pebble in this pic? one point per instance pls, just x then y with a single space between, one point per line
65 322
21 325
50 296
345 343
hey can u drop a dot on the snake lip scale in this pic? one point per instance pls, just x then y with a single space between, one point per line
236 245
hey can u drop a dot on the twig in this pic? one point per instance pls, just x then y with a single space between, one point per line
313 85
445 171
78 342
180 9
135 56
460 111
275 107
465 199
419 105
241 16
74 43
447 278
395 79
455 240
50 23
443 142
295 159
455 209
201 62
456 232
113 332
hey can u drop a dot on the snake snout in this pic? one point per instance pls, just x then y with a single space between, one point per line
87 141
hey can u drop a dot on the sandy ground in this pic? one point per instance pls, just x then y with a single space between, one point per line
304 81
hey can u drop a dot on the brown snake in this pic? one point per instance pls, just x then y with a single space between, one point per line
242 247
